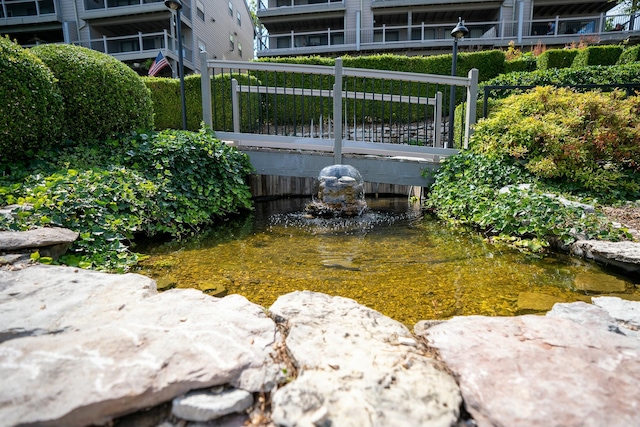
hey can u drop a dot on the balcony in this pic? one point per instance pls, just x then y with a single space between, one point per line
140 46
280 8
19 12
100 9
436 37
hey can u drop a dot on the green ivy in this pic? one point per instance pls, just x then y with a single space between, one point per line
173 182
486 193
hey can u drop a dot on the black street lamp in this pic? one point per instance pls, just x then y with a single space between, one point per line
176 5
458 32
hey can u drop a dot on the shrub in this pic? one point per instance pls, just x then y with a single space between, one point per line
630 55
31 105
556 58
589 140
102 96
165 94
470 189
524 63
597 55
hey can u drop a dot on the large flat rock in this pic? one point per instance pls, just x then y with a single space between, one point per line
357 368
573 368
78 348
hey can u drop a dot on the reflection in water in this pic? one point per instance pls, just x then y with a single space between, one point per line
391 259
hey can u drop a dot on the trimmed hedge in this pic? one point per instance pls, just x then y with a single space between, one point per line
630 55
556 58
597 55
524 63
102 96
31 104
165 93
570 76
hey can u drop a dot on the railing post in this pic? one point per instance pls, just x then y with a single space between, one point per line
437 120
235 106
104 44
337 113
205 87
358 30
472 99
140 43
520 21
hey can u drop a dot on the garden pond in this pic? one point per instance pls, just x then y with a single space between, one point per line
394 259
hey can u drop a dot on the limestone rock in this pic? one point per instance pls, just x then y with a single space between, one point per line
624 255
51 242
204 405
357 368
624 311
107 345
532 371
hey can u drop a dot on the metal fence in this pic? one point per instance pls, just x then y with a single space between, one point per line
334 108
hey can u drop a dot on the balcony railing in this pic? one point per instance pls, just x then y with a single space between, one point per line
105 8
26 8
557 31
272 4
141 43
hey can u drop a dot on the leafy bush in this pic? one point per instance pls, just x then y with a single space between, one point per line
171 182
102 96
556 58
597 55
630 55
165 94
487 194
31 105
589 140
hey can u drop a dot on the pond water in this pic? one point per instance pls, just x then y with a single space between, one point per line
393 259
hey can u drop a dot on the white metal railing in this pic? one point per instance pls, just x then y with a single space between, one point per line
24 8
434 35
335 140
136 43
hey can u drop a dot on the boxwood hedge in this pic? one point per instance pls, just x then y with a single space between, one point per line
31 105
102 96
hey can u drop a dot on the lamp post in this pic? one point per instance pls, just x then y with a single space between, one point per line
458 32
176 5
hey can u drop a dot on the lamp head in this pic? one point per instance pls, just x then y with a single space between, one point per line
459 31
173 4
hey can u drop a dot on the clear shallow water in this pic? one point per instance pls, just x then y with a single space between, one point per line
392 259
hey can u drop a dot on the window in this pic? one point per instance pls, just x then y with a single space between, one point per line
230 8
240 49
231 43
200 9
239 17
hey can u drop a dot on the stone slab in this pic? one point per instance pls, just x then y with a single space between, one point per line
79 347
357 368
535 371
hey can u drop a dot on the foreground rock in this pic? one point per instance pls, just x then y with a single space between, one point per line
79 347
578 366
357 368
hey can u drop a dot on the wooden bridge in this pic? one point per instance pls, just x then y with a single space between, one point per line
290 125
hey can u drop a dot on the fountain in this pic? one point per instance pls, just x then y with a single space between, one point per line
339 193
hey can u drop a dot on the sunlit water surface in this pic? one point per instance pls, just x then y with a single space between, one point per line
392 259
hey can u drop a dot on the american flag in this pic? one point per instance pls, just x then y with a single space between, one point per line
158 64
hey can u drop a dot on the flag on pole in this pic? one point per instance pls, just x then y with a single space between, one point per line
158 64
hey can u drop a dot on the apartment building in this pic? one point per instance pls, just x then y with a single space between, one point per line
134 31
415 27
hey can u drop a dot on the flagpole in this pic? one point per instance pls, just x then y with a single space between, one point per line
176 5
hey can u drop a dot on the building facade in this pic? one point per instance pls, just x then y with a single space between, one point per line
416 27
134 31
